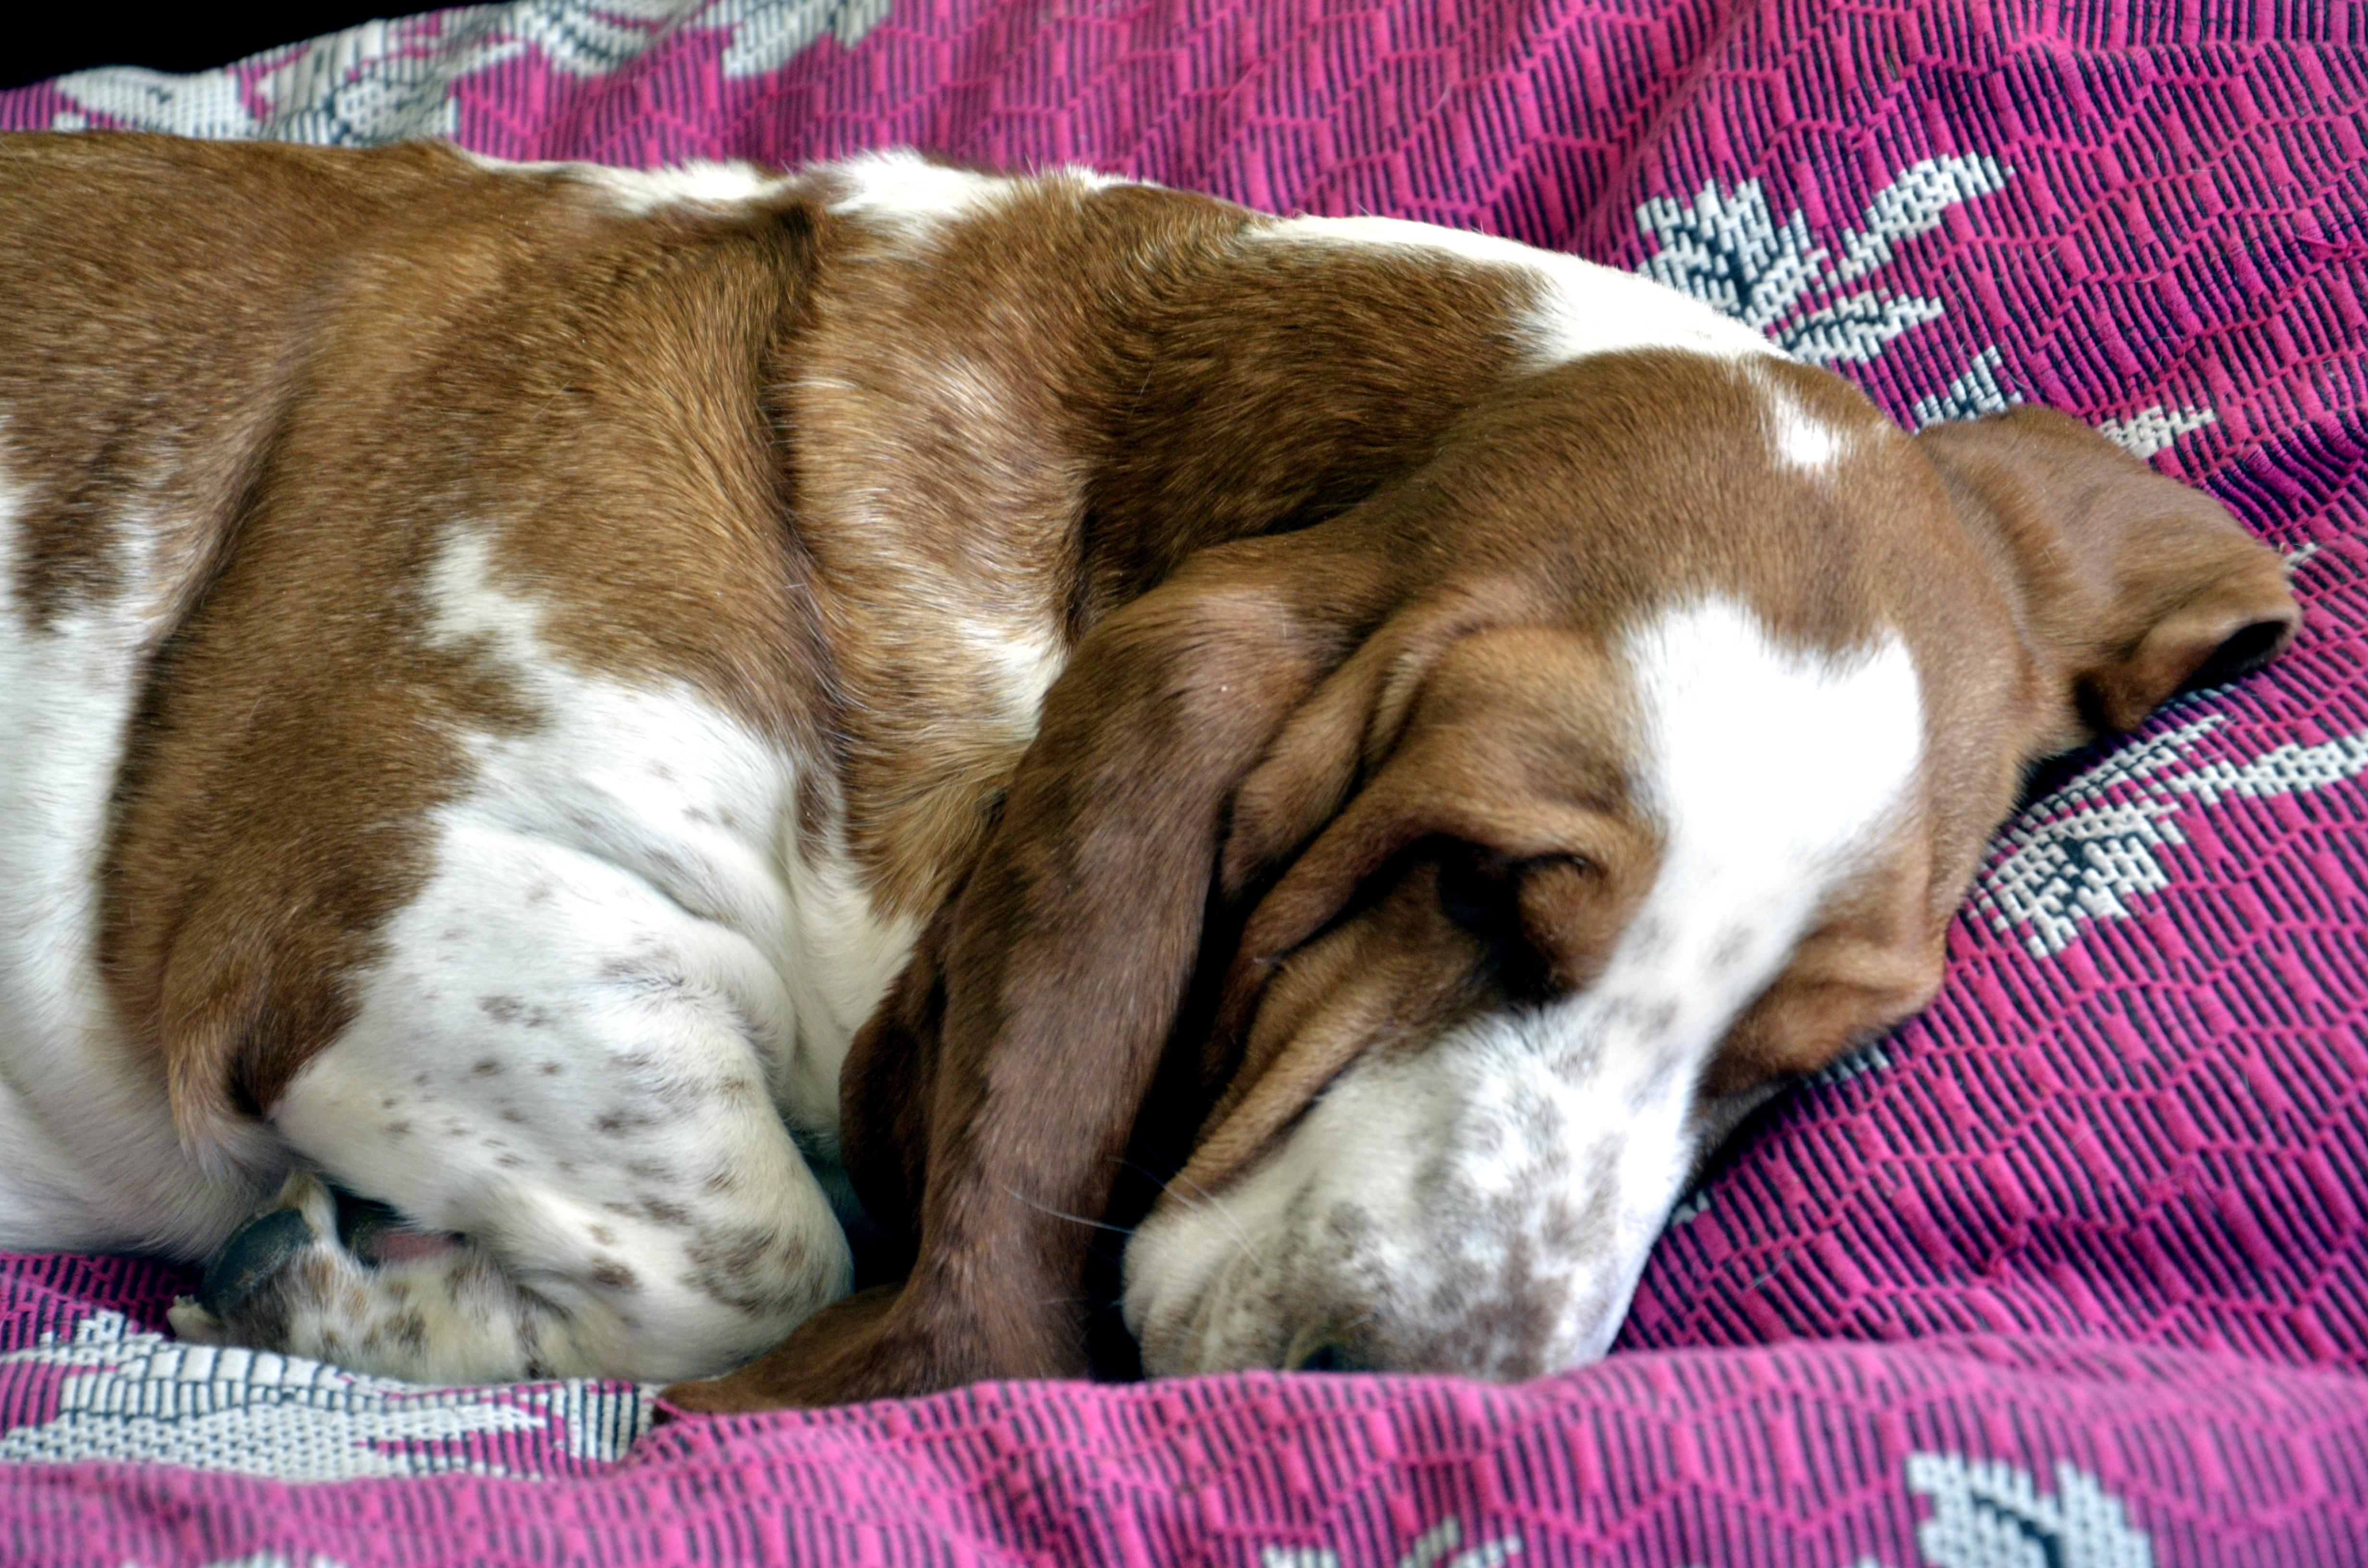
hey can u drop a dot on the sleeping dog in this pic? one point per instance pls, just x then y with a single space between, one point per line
594 710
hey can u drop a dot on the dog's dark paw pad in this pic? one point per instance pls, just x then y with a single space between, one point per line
253 1256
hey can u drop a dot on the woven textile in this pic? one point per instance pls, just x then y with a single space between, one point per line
2071 1271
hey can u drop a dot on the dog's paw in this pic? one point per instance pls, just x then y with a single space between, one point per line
238 1299
255 1255
375 1234
257 1252
189 1321
326 1274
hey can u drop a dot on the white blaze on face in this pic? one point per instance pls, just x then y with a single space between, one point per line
1484 1204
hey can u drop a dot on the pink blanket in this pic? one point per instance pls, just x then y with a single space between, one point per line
2070 1271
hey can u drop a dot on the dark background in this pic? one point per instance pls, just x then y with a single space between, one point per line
71 35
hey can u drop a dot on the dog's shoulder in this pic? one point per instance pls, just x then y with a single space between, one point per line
347 476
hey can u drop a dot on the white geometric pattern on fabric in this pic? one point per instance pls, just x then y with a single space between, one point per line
1970 396
145 1398
1728 248
392 81
1990 1514
2078 856
1869 1057
768 34
1430 1549
1986 1514
1692 1206
2152 429
205 103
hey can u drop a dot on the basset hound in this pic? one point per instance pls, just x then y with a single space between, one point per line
1283 776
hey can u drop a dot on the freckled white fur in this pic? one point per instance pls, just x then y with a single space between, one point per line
625 950
93 1159
1581 308
620 889
1771 774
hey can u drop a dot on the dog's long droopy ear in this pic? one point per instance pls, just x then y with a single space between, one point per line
2133 585
1007 1073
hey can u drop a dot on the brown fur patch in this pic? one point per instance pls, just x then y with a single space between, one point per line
1184 408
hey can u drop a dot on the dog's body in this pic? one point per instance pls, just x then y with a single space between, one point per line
503 668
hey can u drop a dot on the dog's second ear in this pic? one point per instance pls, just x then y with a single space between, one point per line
990 1102
2132 586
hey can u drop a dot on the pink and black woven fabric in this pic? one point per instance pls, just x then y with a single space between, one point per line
2073 1270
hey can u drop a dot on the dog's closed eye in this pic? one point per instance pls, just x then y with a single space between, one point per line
1481 890
1547 919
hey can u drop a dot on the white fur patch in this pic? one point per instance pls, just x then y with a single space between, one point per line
1802 441
92 1158
622 978
903 192
1518 1169
666 786
639 192
1581 308
1021 661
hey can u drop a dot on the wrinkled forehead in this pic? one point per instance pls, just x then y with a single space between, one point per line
1728 737
1768 774
1714 783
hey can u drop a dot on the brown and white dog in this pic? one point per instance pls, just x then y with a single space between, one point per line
504 670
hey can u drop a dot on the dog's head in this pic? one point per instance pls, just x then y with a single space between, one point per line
1423 890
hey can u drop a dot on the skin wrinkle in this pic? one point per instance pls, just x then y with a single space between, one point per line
1654 938
1858 936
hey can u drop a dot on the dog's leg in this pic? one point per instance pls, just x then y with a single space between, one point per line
289 1280
672 1271
580 1082
545 1282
